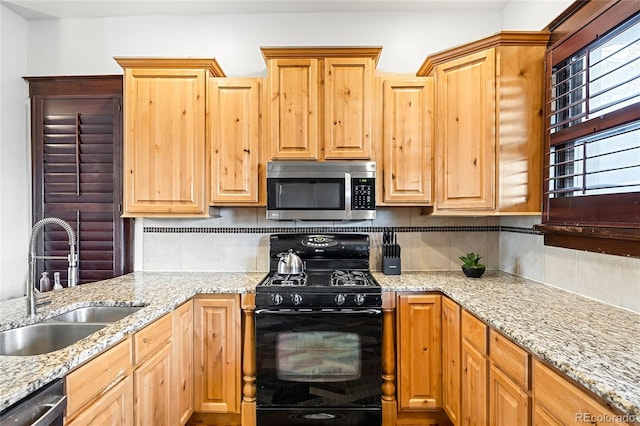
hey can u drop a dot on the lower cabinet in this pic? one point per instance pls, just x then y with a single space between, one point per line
114 407
508 403
152 393
418 362
451 359
559 402
101 391
509 382
217 350
474 377
182 373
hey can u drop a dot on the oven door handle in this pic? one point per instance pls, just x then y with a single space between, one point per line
324 311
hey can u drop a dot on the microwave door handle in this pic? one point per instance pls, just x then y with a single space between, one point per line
347 195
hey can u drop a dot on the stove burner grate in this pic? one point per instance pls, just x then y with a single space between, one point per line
350 278
288 279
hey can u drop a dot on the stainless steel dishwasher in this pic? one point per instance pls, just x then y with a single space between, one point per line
45 407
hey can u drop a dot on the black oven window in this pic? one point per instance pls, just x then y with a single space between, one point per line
318 356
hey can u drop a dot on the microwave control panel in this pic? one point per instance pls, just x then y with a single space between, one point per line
363 194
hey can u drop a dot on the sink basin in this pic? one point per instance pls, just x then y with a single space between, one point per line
100 314
42 338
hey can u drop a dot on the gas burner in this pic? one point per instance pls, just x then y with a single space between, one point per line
353 278
288 279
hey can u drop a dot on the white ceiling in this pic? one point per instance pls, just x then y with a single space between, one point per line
57 9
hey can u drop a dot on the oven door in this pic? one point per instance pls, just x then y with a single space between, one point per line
328 358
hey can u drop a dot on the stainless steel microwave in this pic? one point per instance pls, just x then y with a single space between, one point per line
316 190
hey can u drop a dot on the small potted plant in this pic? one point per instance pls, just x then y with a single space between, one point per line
472 268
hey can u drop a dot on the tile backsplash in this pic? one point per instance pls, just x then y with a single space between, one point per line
238 240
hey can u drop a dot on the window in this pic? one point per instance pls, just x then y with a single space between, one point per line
592 158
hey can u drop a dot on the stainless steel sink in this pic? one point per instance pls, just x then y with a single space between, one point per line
42 338
97 314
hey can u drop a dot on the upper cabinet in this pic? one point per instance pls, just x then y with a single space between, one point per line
165 163
407 140
489 131
233 111
320 102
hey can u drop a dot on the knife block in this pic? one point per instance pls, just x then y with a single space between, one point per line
391 265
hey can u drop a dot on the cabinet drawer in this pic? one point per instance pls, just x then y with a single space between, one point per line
474 331
510 358
151 338
564 400
93 378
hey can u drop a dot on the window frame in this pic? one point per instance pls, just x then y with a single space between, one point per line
599 223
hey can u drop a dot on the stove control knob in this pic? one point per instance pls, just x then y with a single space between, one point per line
296 299
359 299
277 299
340 299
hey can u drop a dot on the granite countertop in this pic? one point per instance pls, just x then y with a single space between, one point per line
595 344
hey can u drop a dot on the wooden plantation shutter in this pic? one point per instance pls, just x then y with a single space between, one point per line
77 140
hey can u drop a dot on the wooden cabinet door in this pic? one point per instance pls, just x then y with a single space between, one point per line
152 389
541 417
233 131
348 100
419 349
407 122
451 359
217 354
164 149
508 403
294 108
182 368
565 402
113 408
474 387
465 133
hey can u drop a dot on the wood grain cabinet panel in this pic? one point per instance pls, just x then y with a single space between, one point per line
348 97
465 137
165 163
419 352
509 405
152 389
115 407
294 108
91 380
475 371
474 386
182 368
407 141
234 136
451 359
320 102
565 403
217 349
489 131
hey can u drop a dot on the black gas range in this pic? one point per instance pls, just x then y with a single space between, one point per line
336 274
319 334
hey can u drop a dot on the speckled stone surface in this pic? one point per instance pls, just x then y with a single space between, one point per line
160 292
596 344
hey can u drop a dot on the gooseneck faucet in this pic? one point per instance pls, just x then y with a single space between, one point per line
72 259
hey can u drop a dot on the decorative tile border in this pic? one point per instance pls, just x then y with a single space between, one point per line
334 229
